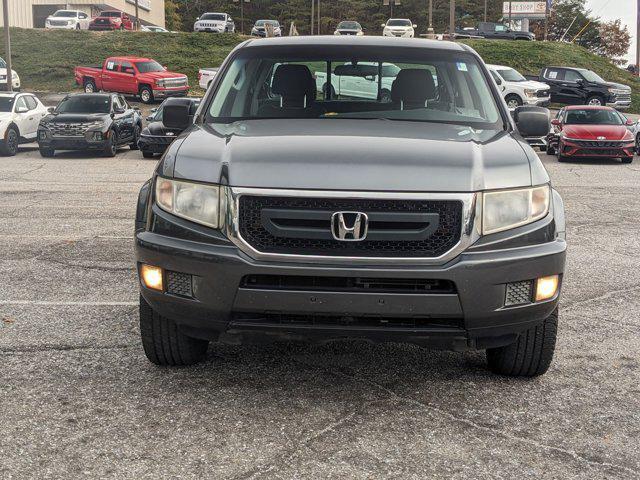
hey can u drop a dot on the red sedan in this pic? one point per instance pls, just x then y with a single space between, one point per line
583 131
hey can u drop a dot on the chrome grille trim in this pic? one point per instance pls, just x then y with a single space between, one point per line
231 224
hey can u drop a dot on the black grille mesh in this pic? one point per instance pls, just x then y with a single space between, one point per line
441 241
179 284
518 293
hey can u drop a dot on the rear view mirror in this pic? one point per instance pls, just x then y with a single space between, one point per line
532 121
176 115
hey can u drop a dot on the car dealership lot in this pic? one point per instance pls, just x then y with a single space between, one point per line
78 397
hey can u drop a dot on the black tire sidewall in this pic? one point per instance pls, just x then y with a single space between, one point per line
150 100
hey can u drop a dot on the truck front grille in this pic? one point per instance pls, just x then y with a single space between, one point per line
68 129
396 228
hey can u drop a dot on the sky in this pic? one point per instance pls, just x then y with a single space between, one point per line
625 10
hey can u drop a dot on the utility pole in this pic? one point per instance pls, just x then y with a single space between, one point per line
318 17
452 19
7 44
509 14
137 17
485 10
313 15
547 12
430 27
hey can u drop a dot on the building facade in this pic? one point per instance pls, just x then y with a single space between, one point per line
32 13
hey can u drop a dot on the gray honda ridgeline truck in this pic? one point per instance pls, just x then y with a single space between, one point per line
396 201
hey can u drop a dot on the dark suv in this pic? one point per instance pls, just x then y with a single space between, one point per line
285 211
579 86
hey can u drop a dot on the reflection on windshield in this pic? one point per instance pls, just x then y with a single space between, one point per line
591 76
511 75
65 14
85 104
212 16
399 23
151 66
593 117
429 87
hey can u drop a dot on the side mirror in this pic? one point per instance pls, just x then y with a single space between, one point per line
165 67
383 25
629 122
118 110
532 121
51 109
498 81
197 18
555 122
415 26
176 116
580 82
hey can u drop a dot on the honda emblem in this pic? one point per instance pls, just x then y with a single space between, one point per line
349 226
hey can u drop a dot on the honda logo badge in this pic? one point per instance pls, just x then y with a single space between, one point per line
349 226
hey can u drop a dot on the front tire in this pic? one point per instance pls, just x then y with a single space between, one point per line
147 154
513 101
530 355
111 147
595 101
90 86
136 135
164 344
146 95
47 152
9 147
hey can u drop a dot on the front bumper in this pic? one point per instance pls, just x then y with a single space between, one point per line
471 316
15 85
537 101
154 143
570 149
170 92
620 104
69 143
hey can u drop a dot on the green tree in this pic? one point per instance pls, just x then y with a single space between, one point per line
172 18
615 41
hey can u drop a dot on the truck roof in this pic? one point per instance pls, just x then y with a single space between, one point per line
131 58
364 41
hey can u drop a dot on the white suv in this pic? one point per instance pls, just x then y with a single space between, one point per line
20 115
68 19
517 90
398 27
215 23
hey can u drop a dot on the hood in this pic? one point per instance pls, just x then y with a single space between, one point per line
76 117
533 85
619 86
592 132
408 27
164 74
342 154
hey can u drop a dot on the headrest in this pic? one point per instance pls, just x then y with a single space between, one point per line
413 85
294 81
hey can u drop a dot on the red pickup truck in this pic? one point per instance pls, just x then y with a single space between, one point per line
139 76
111 20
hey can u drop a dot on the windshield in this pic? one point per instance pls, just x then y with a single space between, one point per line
85 104
591 76
415 85
262 23
511 75
398 22
350 25
3 64
149 66
6 104
213 16
110 14
65 13
593 117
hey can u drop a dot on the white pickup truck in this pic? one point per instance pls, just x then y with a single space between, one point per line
517 90
205 76
359 81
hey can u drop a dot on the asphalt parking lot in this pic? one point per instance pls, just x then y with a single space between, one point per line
79 399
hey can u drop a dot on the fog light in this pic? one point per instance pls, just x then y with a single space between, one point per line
151 277
43 135
546 287
97 136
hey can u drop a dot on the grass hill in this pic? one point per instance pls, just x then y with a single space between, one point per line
45 58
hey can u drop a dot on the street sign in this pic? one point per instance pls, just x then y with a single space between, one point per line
525 9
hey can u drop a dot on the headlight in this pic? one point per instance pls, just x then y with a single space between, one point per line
197 202
14 76
529 92
505 209
160 83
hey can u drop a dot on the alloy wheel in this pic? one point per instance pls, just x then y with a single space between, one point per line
12 142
